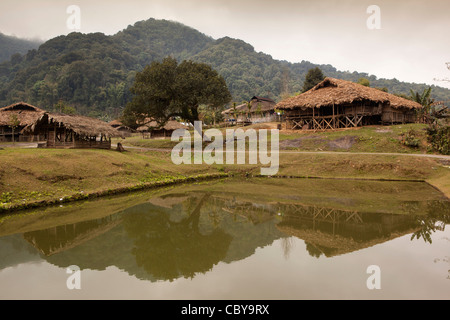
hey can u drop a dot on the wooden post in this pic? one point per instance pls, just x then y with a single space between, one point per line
334 122
314 125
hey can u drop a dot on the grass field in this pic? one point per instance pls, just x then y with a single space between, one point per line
31 177
388 139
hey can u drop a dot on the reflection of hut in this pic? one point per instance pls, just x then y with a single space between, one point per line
25 114
262 110
334 232
70 131
337 103
152 130
119 126
60 238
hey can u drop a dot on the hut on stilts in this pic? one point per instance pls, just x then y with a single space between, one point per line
334 104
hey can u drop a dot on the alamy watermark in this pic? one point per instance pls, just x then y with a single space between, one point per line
228 148
74 280
374 281
374 20
73 22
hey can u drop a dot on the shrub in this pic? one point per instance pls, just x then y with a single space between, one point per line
439 137
410 139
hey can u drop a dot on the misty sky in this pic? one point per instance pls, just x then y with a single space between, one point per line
412 45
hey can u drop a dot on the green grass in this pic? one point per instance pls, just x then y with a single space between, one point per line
33 176
381 139
378 139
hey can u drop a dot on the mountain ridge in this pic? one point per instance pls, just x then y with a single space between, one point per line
93 72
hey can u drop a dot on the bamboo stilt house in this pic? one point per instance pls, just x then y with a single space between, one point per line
261 110
337 103
23 114
72 131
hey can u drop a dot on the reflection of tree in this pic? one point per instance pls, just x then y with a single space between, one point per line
316 250
438 217
168 249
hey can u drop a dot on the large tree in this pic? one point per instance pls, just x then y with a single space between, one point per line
167 89
313 77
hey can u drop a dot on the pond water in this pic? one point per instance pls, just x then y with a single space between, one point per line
277 239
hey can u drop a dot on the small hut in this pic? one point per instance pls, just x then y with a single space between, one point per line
23 114
337 103
152 130
261 110
72 131
119 126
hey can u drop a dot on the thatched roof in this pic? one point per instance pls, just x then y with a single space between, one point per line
257 103
84 126
153 125
26 114
340 92
115 123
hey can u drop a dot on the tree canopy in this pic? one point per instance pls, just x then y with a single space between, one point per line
166 89
93 73
313 77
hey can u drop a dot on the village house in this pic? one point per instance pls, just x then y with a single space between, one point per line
261 110
119 126
72 131
23 114
152 130
337 103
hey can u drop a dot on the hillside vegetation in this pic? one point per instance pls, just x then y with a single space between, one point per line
93 72
13 46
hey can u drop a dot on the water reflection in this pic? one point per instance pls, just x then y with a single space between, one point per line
189 230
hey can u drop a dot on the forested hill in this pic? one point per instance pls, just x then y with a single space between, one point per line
93 72
10 45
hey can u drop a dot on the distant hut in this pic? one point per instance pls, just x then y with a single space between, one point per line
261 110
72 131
119 126
25 114
337 103
152 130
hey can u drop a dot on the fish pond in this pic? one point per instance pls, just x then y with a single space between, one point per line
257 239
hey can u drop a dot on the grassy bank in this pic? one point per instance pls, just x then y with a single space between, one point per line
36 177
389 139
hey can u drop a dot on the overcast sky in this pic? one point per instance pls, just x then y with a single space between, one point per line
412 45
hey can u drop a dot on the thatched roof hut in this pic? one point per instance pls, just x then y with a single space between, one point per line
118 125
257 104
81 125
152 129
25 113
335 103
171 125
261 110
73 131
339 92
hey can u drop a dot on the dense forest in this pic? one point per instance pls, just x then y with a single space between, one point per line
92 73
12 45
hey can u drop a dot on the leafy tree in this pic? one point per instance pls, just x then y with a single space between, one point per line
313 77
364 81
61 107
166 89
14 122
425 100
